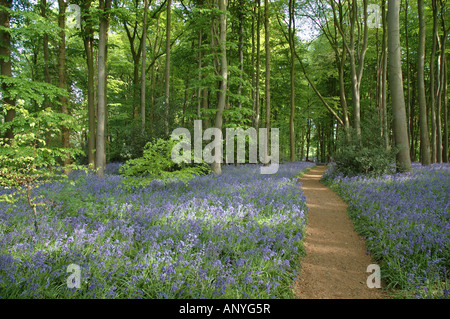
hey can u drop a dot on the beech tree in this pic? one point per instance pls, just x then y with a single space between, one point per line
105 7
62 76
396 87
216 166
167 70
87 29
424 139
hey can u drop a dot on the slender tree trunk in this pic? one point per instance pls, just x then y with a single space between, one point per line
62 81
105 6
88 40
444 81
409 113
258 65
153 77
341 58
356 58
135 85
143 66
384 77
252 74
396 87
5 64
432 84
441 83
241 50
342 95
47 77
267 78
308 137
199 90
445 96
424 138
292 74
216 166
167 70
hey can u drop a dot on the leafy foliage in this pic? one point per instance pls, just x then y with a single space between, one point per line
26 161
365 156
156 163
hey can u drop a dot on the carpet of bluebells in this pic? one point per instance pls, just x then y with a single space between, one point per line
405 219
238 235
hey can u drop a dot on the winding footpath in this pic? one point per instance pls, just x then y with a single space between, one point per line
336 260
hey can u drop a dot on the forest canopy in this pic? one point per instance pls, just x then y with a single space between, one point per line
335 77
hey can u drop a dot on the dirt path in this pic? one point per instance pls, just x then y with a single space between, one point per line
336 261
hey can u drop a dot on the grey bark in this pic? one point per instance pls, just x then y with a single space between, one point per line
216 166
62 80
292 79
88 40
167 70
143 66
105 6
432 83
267 76
424 138
396 87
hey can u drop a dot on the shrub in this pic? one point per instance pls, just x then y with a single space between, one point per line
156 163
366 155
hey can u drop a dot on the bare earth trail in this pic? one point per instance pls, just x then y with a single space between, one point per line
336 261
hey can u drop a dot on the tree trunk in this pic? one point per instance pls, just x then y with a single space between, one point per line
409 112
199 90
384 77
440 89
396 88
258 64
252 73
216 166
241 51
62 81
357 63
47 77
167 70
444 80
292 74
342 96
432 83
105 6
88 40
425 156
267 78
143 66
445 94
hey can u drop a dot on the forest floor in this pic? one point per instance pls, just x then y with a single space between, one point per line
336 260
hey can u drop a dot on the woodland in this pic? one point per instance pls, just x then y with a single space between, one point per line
109 77
92 90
